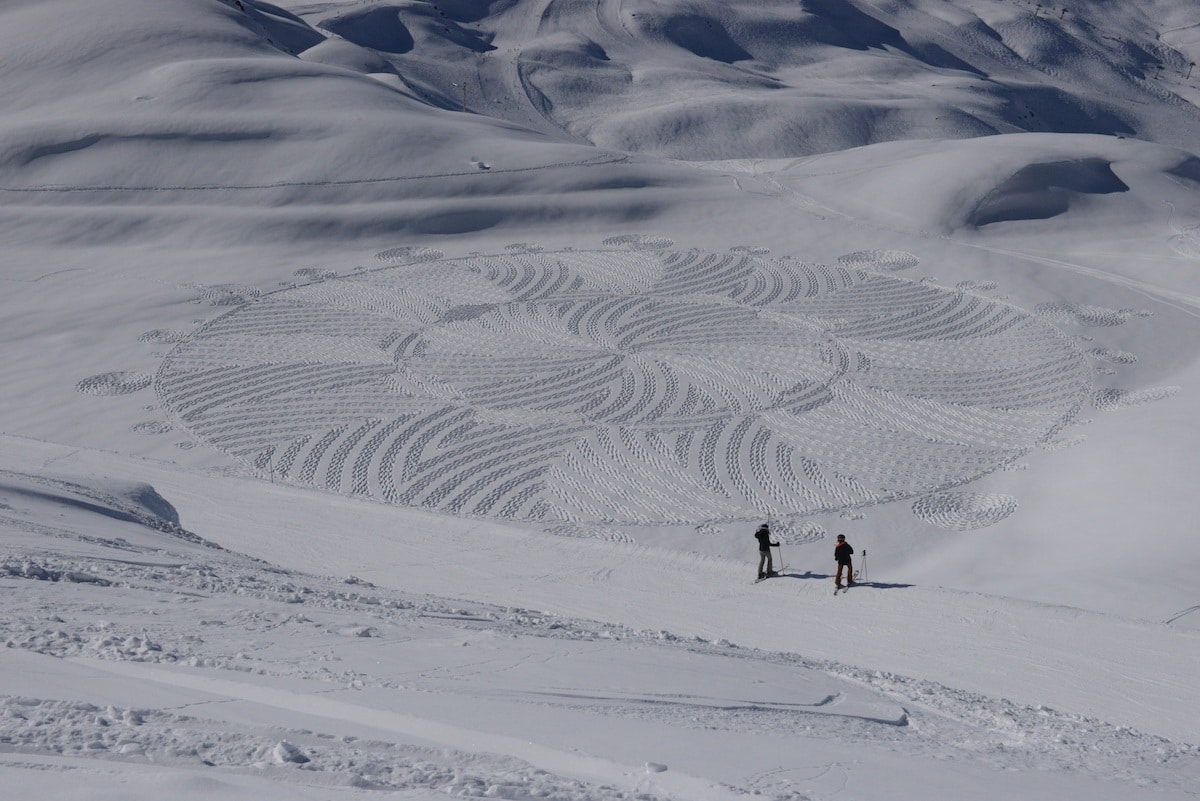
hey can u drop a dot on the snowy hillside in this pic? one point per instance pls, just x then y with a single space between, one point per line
392 390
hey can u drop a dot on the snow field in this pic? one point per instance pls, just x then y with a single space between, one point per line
390 392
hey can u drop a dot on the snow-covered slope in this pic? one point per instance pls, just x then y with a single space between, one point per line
774 79
391 390
140 658
140 112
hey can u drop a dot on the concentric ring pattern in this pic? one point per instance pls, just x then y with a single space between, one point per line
629 386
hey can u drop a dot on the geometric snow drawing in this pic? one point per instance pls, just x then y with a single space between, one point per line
1114 399
886 260
964 511
120 383
1093 316
1112 355
639 385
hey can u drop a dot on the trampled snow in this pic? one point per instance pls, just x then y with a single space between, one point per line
392 391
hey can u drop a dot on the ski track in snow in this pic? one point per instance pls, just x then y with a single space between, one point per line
598 160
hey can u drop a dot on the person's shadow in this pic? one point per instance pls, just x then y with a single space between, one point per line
809 575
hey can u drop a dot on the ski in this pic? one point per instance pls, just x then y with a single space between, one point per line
776 574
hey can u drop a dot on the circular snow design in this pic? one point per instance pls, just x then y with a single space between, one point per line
409 255
119 383
885 260
633 385
162 336
1112 355
1113 399
315 273
964 511
975 286
639 242
152 427
524 247
1091 316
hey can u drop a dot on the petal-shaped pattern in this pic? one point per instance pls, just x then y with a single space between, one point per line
635 386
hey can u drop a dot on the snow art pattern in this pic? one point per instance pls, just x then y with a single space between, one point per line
118 383
641 385
964 511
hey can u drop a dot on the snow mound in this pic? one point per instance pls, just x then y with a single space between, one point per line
347 55
969 185
26 497
1046 189
377 28
281 28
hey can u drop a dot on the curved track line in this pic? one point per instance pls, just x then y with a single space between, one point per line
592 769
605 158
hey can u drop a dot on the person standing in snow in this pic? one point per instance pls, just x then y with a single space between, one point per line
763 535
842 553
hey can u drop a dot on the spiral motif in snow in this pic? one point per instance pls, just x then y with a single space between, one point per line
638 385
118 383
964 511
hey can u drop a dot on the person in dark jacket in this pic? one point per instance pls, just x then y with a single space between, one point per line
763 535
842 552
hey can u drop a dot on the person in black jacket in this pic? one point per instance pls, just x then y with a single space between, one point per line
842 552
763 535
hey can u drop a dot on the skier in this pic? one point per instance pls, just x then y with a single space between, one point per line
842 552
763 535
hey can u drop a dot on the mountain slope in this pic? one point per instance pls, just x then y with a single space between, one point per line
392 389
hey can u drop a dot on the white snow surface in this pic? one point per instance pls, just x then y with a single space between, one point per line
392 390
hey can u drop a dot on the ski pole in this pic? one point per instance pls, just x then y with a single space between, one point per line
780 547
864 567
